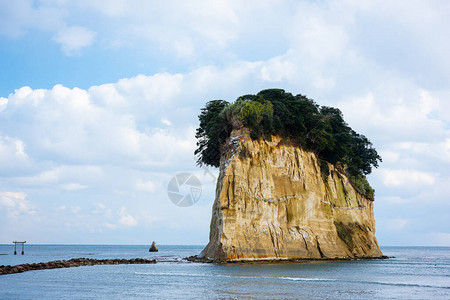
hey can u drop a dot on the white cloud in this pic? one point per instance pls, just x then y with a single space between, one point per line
16 17
278 69
392 199
13 15
156 89
126 219
12 149
397 224
15 203
75 209
393 178
440 239
146 186
389 156
73 39
165 121
108 95
180 28
319 37
13 157
439 150
66 123
3 103
111 8
404 117
149 218
110 225
385 65
120 218
61 174
102 209
101 136
73 186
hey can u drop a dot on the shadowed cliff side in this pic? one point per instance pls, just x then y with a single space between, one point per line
273 203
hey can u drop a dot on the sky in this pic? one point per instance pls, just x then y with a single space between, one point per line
99 102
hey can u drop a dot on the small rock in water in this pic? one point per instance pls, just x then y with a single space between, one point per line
153 247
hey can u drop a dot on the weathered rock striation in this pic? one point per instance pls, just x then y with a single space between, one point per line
272 203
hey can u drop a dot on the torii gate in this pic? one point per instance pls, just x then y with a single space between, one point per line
15 245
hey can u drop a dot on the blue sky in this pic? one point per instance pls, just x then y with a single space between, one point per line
99 103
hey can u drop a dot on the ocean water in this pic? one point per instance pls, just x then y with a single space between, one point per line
414 273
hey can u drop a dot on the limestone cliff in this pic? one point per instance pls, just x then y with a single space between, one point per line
272 203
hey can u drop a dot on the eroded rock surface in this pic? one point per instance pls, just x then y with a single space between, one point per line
272 203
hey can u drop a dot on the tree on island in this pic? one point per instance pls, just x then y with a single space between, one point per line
296 119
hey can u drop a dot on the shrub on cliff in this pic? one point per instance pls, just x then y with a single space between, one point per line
298 119
212 132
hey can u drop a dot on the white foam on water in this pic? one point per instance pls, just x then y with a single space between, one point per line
306 279
300 279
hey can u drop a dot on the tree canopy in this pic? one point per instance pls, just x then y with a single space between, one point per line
297 119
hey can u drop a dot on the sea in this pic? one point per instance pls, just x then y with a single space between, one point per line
409 273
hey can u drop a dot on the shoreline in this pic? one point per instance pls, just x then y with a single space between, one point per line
79 262
71 263
196 259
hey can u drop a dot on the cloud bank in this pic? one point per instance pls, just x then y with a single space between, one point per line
98 159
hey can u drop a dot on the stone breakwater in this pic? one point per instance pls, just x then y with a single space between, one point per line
74 262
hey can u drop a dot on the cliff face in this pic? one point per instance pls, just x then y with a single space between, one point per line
272 203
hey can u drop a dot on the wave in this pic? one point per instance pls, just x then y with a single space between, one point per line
407 284
198 275
304 279
234 276
169 274
368 282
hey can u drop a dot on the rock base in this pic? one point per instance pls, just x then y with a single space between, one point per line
199 259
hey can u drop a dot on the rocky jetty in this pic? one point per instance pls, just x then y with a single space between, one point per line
273 203
75 262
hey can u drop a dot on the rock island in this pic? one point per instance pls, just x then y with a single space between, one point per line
291 180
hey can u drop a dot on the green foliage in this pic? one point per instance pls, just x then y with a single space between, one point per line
324 169
295 118
345 232
212 132
248 113
362 186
